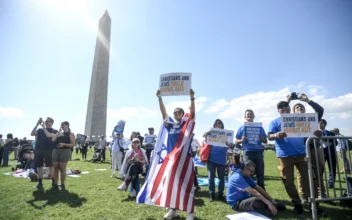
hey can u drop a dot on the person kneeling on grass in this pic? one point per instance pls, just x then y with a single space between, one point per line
134 161
243 194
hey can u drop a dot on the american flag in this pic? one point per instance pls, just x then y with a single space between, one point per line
169 180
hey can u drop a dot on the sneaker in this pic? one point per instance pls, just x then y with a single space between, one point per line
190 216
170 214
298 209
122 187
54 187
211 198
63 188
221 197
133 194
39 186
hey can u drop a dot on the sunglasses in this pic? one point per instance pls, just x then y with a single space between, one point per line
252 171
136 142
177 112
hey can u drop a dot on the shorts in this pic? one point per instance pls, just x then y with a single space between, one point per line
61 155
42 156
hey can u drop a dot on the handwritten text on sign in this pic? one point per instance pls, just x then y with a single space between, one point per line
172 84
252 132
299 125
219 137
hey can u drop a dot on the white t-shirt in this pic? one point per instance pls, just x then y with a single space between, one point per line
341 143
102 144
149 139
195 145
117 144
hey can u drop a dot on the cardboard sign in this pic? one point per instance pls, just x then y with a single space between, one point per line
219 137
299 125
173 84
80 138
119 128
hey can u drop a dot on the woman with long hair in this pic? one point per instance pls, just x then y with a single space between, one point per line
217 162
65 141
133 164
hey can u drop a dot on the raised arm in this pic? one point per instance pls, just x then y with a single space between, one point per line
161 105
193 108
34 131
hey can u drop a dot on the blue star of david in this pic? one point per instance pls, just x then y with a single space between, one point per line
163 148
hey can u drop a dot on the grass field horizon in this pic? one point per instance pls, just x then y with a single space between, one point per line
95 196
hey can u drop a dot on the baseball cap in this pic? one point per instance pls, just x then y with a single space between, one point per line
282 104
135 139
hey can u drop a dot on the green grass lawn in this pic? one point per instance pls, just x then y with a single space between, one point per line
94 196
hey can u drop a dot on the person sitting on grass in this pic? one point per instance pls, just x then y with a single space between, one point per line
234 165
134 161
243 194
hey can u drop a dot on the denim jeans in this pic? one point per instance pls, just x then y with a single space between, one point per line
211 176
5 156
256 157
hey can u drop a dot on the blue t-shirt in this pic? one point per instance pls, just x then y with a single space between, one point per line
174 132
218 154
235 168
250 145
43 142
235 188
286 147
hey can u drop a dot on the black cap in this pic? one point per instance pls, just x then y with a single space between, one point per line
282 104
150 128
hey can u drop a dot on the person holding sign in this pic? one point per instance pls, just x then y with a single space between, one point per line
216 162
171 148
251 136
117 154
291 152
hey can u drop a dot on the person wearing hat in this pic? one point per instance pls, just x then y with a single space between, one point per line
149 142
133 163
291 152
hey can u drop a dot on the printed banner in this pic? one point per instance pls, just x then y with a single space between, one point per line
80 138
252 132
119 128
219 137
299 125
149 140
173 84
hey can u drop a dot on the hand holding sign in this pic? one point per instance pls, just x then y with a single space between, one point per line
281 135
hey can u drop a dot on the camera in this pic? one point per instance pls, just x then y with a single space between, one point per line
294 96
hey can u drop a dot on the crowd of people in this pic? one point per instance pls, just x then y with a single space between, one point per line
132 157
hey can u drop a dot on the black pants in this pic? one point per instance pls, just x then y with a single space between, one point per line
132 172
332 162
103 154
196 184
251 204
1 153
84 154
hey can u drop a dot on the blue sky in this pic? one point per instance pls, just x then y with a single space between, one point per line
242 54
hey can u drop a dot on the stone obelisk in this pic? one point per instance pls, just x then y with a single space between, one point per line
98 93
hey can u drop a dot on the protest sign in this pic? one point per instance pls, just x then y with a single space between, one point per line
252 132
150 139
299 125
219 137
173 84
119 128
80 138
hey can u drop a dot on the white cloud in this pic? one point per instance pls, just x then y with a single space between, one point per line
9 112
264 105
126 113
199 102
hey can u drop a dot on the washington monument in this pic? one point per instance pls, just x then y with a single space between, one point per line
98 93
